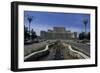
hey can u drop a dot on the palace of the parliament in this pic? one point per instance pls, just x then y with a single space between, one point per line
58 33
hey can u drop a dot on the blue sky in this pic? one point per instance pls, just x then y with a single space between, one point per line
48 20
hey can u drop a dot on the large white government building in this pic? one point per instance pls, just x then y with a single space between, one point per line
58 33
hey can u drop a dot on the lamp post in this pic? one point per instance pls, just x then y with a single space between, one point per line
85 23
30 18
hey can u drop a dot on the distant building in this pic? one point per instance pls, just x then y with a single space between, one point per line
58 33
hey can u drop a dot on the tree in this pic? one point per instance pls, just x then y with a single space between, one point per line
33 35
26 34
88 36
83 36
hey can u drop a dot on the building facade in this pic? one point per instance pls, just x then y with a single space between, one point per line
58 33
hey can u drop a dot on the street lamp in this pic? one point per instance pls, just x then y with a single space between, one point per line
85 23
30 18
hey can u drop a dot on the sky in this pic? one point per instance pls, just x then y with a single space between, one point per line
47 20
